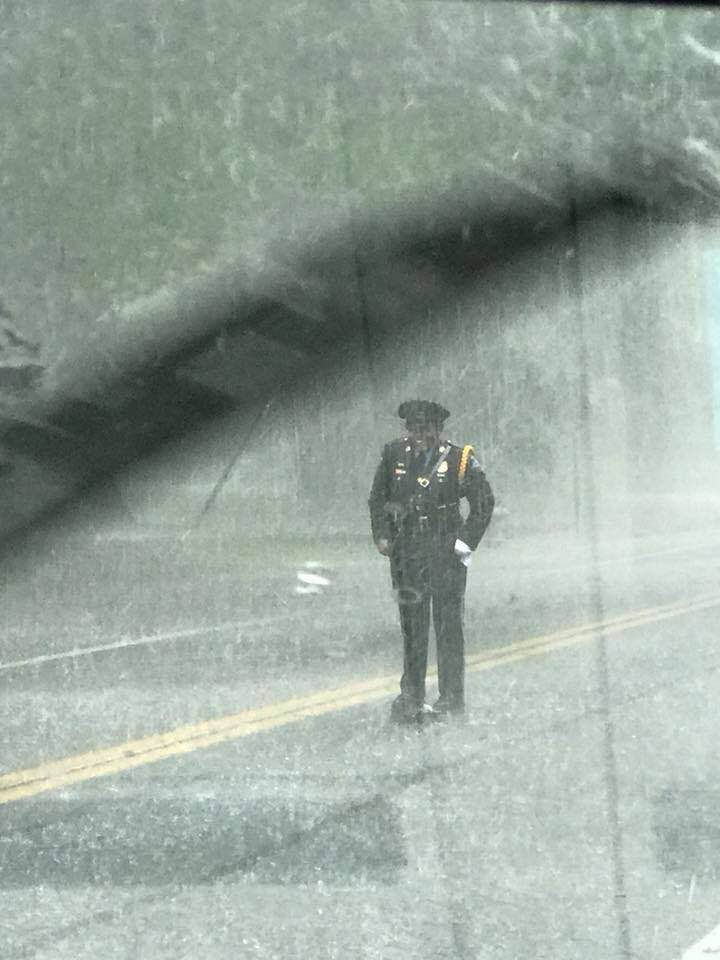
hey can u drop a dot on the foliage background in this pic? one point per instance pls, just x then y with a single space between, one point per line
146 141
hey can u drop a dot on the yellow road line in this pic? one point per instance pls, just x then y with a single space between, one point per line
190 737
575 635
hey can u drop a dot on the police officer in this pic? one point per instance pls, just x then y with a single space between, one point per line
416 522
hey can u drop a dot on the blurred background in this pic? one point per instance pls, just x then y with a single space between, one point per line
149 146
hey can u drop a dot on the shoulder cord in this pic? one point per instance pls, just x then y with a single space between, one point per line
467 450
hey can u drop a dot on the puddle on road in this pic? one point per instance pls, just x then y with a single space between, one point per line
686 825
193 842
363 844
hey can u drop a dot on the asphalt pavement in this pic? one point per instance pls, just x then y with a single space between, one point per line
197 762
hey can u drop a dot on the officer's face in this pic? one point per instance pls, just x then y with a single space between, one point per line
423 433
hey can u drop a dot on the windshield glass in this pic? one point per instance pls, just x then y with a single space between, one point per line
359 430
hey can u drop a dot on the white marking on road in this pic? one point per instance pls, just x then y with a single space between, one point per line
146 640
709 946
703 51
314 579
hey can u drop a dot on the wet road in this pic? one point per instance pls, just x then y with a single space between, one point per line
574 814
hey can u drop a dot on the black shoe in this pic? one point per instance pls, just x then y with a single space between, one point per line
427 714
448 708
404 710
408 712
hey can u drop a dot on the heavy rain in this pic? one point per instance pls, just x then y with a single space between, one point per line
237 237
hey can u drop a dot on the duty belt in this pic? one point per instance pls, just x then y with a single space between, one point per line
423 522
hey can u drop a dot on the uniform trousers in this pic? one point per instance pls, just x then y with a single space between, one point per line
428 577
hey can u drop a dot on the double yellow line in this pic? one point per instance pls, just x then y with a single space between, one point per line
135 753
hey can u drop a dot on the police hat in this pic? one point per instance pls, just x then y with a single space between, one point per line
423 410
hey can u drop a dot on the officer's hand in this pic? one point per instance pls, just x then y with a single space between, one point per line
383 547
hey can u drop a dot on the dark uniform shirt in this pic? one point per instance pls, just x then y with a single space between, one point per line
415 506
